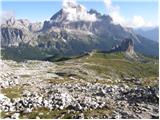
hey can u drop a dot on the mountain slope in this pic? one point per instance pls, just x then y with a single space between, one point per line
112 67
96 85
150 33
71 33
147 47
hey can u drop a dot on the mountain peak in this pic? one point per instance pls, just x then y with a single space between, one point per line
93 11
72 11
16 23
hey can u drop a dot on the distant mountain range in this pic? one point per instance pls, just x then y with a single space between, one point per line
151 33
68 33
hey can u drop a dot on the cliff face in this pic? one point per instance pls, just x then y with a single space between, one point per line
125 46
74 33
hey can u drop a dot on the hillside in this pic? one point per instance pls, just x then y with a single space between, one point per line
94 85
118 66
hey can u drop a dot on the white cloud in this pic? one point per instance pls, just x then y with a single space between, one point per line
76 11
114 12
5 15
117 18
139 21
108 3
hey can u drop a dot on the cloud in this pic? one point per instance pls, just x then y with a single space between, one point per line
113 11
76 11
139 21
5 15
108 3
135 22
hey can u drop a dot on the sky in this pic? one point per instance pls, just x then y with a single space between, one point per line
136 13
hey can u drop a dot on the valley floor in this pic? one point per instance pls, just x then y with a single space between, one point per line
70 89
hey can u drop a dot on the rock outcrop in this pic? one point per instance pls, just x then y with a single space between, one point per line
126 46
72 33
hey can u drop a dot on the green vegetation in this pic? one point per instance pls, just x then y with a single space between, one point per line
45 113
150 81
64 80
114 67
25 76
116 63
58 81
118 55
12 92
5 114
61 58
22 53
97 113
58 58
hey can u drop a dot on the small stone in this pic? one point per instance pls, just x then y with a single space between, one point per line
37 117
40 113
81 116
28 110
61 107
15 116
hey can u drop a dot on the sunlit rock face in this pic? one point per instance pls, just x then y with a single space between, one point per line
71 31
